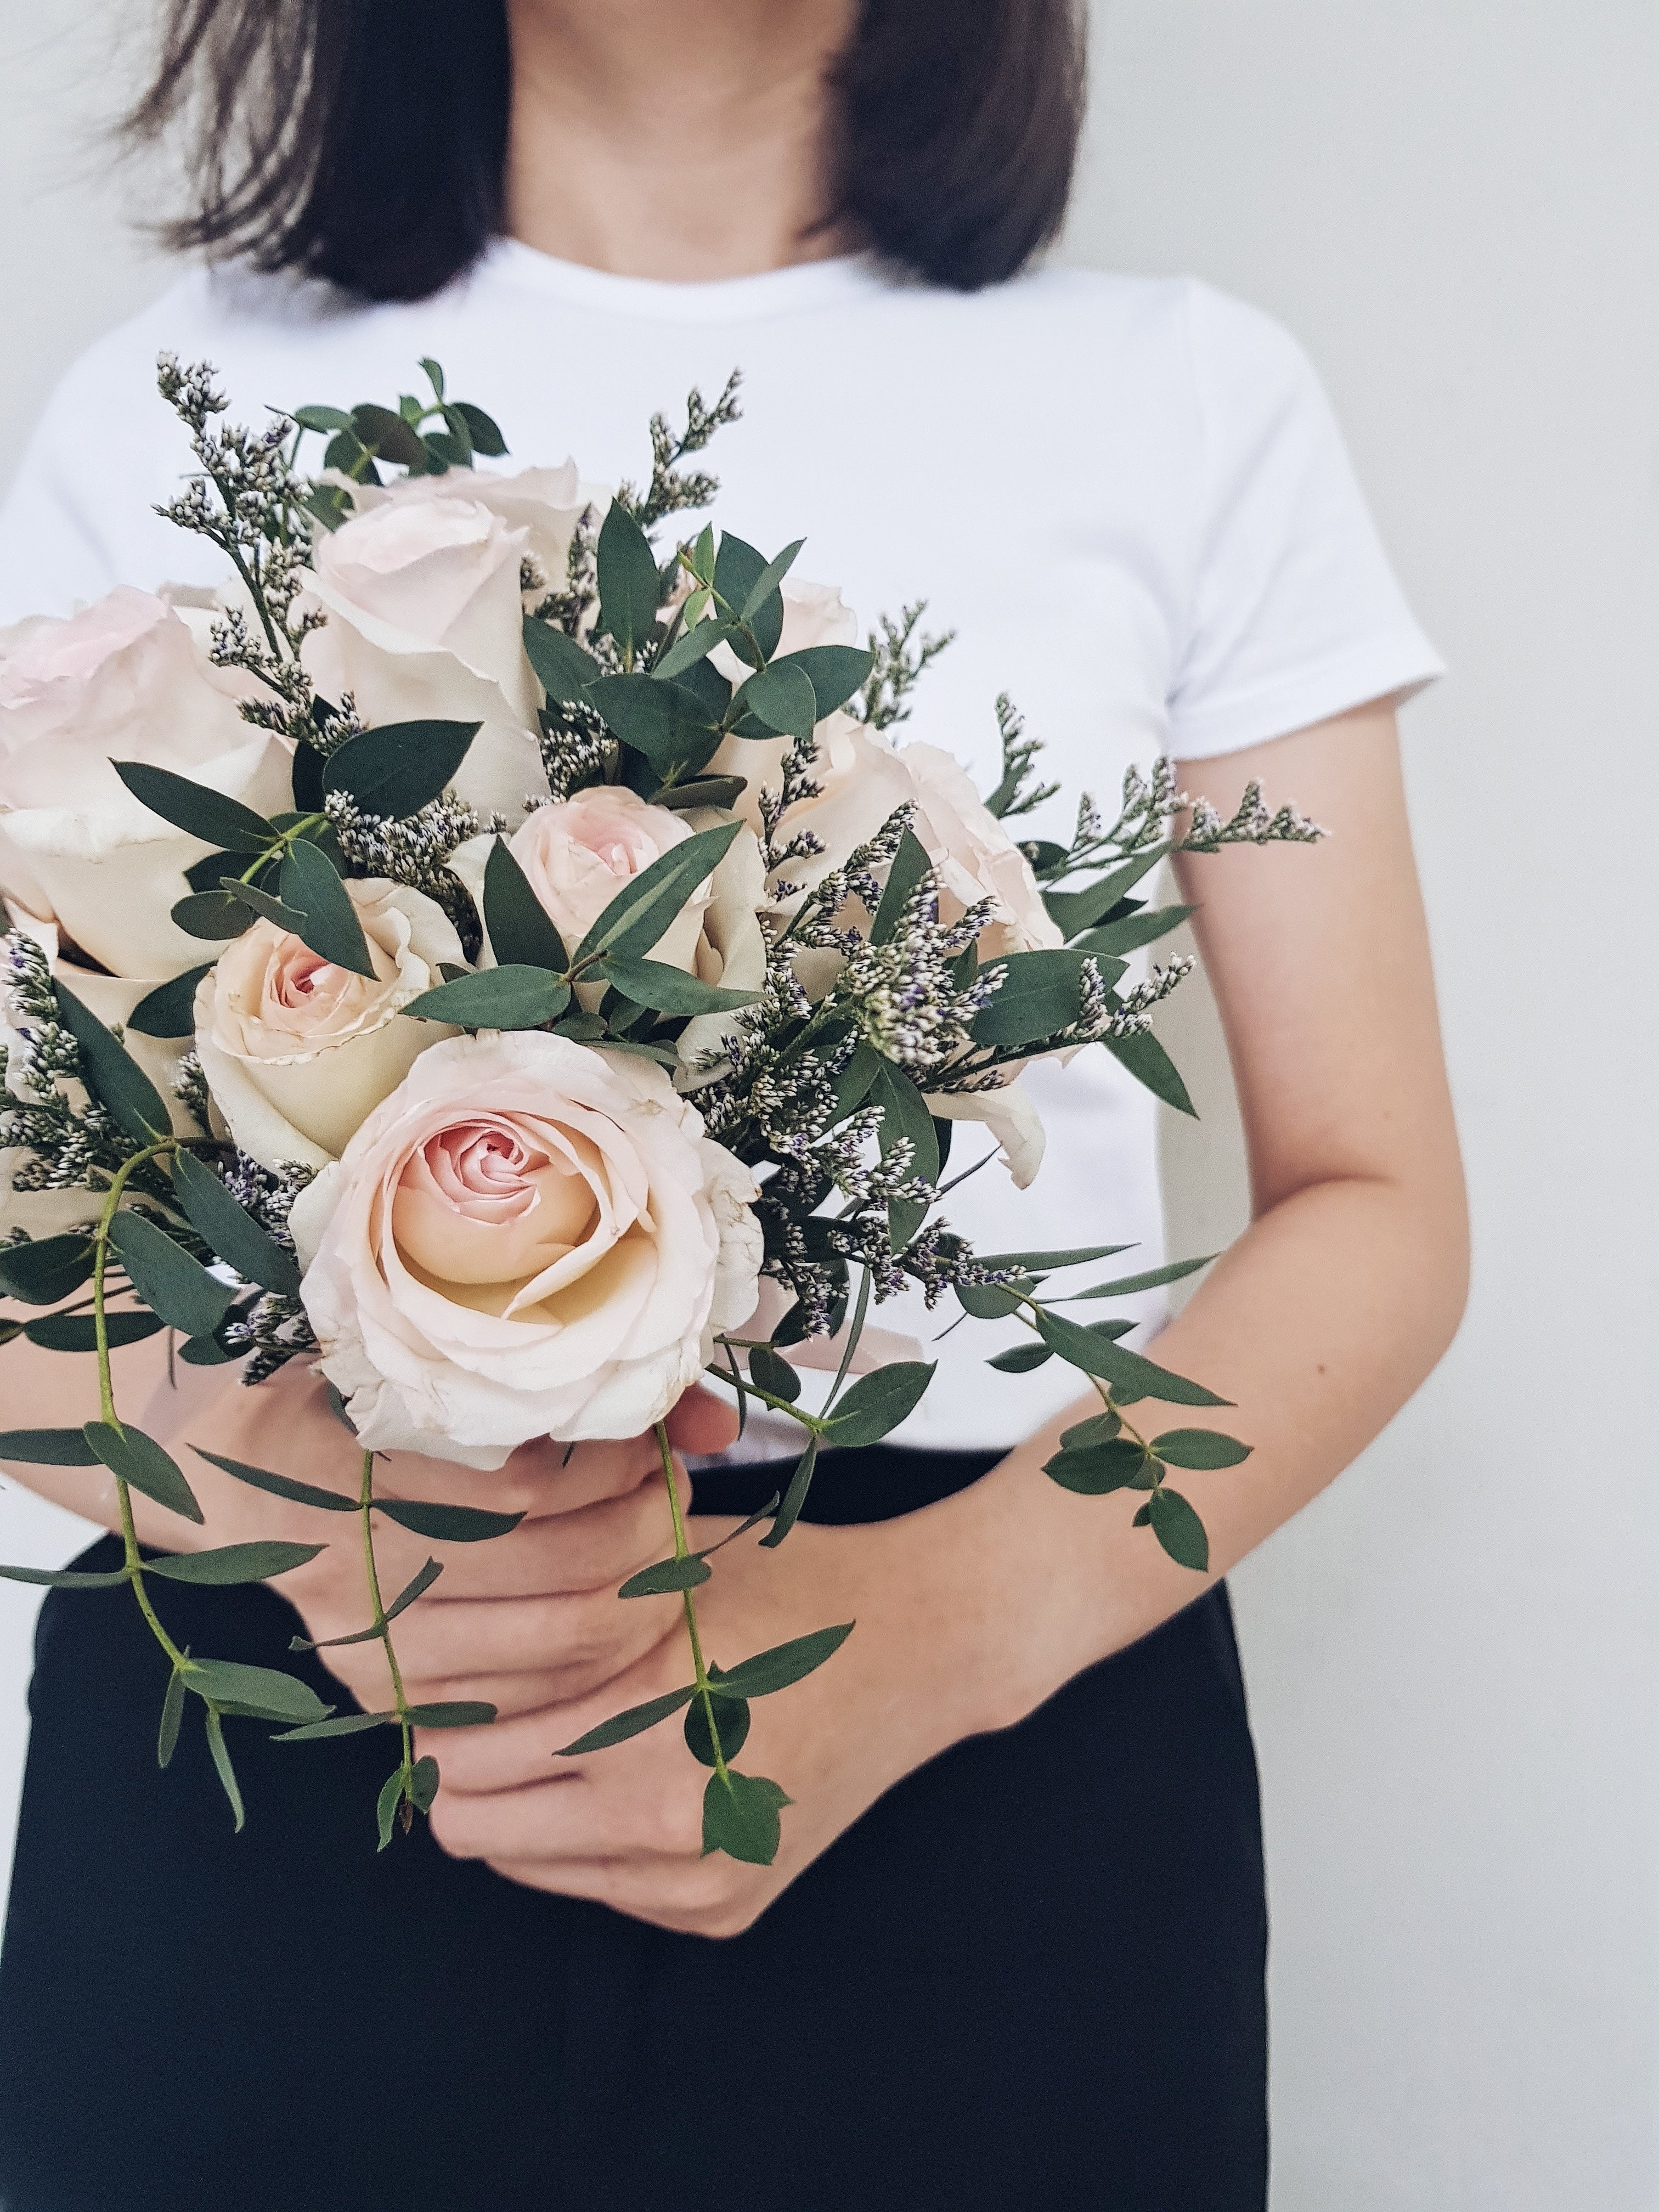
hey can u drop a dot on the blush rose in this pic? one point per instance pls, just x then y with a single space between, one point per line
528 1238
296 1051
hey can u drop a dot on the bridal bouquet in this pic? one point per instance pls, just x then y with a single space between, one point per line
499 956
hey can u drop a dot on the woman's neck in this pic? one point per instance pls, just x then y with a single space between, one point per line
681 139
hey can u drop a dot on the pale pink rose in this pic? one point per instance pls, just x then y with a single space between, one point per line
578 853
545 504
296 1051
528 1238
425 622
123 679
974 857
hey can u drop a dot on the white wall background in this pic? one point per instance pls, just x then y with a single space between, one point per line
1451 1656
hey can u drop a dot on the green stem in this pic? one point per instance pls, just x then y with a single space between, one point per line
365 1504
753 1390
135 1566
285 839
682 1550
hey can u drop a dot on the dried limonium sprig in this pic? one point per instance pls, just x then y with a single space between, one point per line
902 657
671 489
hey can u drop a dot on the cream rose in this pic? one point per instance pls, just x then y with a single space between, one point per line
974 857
528 1238
297 1052
425 620
122 679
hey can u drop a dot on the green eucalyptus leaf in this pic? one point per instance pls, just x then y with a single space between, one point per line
665 721
173 1711
64 1578
667 1575
278 1485
877 1402
702 790
1098 1429
1200 1448
1147 1061
225 1770
195 809
642 911
255 1693
693 644
1076 910
731 1721
230 1229
170 1010
401 767
740 1817
774 1374
47 1447
628 585
634 1722
1019 1359
387 436
1040 994
910 866
45 1269
340 1724
834 672
486 437
165 1276
1179 1529
139 1461
447 1524
1153 1279
112 1075
1029 1262
770 577
904 1115
794 1497
423 1783
1134 930
386 1804
785 1664
323 419
330 927
79 1332
781 697
1129 1375
233 1563
562 668
212 915
453 1713
521 931
1093 1470
669 990
510 997
263 903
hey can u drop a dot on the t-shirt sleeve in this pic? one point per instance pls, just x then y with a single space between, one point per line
1295 613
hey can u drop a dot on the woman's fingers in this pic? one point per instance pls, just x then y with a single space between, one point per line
701 1422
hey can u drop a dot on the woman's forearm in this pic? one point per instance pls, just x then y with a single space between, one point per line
1319 1323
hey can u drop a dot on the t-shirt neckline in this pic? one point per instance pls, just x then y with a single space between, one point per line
804 285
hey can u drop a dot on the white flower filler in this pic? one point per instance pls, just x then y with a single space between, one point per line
498 953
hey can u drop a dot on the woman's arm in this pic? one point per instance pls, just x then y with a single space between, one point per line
1320 1322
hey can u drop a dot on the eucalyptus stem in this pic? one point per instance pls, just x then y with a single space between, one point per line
135 1566
682 1550
383 1628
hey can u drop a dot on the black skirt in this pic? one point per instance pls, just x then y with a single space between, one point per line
1031 1976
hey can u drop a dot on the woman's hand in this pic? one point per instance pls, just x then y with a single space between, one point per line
519 1621
625 1825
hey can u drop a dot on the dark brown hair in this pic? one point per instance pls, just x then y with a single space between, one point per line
364 141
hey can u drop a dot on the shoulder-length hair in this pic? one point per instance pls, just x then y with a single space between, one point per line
364 141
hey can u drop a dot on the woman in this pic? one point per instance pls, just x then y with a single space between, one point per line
1011 1953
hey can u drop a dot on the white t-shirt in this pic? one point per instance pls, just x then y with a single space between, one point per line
1128 497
